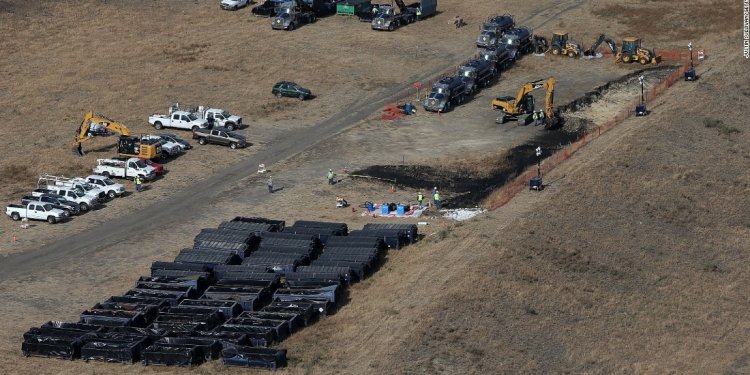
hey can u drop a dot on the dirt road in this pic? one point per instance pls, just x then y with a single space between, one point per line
197 197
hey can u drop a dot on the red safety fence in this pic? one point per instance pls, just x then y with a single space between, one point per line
507 192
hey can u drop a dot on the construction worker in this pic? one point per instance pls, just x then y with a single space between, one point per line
210 120
420 198
137 181
436 199
541 117
269 183
535 117
374 10
331 177
419 13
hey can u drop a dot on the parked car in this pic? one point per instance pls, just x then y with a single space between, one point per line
158 168
57 199
174 138
49 198
128 168
291 89
220 136
233 4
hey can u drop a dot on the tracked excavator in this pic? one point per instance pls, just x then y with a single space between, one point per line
632 50
98 125
602 39
523 103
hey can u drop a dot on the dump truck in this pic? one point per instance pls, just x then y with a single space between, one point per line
518 42
446 93
290 17
477 73
35 211
493 29
499 55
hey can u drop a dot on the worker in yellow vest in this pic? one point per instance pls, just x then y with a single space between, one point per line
420 198
436 199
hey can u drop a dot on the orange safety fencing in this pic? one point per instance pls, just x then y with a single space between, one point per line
507 192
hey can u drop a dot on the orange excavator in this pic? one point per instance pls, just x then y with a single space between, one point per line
523 103
98 125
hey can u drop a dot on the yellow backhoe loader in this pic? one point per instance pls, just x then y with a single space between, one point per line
523 103
562 45
632 50
98 125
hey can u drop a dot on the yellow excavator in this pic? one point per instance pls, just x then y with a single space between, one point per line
632 50
523 103
98 125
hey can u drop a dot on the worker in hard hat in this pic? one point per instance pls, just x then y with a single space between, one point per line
331 177
420 198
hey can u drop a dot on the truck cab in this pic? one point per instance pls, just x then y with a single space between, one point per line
111 188
178 119
221 117
35 211
85 202
446 93
388 19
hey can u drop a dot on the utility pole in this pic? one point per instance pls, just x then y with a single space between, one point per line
640 109
536 181
690 72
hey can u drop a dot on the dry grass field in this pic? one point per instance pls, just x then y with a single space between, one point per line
631 261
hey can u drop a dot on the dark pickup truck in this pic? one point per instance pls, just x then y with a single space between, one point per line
219 136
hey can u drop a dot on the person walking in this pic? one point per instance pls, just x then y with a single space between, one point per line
436 199
535 117
269 183
420 198
137 181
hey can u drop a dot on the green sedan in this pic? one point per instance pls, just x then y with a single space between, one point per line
291 89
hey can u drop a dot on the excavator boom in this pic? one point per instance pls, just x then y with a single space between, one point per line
513 107
602 39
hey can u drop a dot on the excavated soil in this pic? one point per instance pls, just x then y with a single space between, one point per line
467 187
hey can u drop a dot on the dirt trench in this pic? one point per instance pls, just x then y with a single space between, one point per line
469 187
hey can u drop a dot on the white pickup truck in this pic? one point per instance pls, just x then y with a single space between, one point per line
125 169
35 211
85 201
169 149
112 188
224 118
177 118
74 183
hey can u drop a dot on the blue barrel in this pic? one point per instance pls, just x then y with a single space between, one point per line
401 209
384 209
370 207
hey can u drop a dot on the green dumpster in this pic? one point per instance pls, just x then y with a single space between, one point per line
352 7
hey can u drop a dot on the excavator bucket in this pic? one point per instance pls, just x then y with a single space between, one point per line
78 150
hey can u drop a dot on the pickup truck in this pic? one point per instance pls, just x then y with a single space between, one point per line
74 183
124 169
55 200
178 120
220 136
158 168
224 118
112 188
169 149
85 202
38 200
35 211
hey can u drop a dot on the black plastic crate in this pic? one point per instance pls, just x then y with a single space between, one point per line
277 225
246 227
125 349
256 336
207 257
295 321
158 302
280 328
199 283
342 227
52 347
173 298
147 311
411 229
113 318
73 327
227 308
208 347
245 356
159 354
